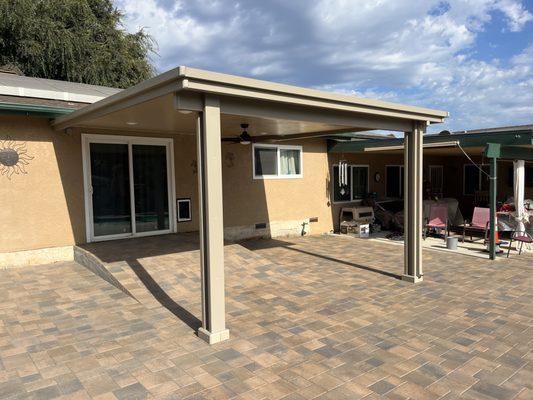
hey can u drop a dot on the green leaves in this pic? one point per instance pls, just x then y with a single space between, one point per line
74 40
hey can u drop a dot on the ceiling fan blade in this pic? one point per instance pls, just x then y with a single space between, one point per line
231 139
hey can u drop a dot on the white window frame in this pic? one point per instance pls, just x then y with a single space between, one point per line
402 177
352 199
480 176
441 167
86 140
278 147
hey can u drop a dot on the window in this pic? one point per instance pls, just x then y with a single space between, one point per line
359 182
357 186
436 178
475 181
276 161
394 181
184 210
266 161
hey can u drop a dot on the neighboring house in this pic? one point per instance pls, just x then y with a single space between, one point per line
376 166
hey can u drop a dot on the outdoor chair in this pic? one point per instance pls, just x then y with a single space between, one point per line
438 219
519 236
480 223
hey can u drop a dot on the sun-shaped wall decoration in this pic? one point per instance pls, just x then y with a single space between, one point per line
13 157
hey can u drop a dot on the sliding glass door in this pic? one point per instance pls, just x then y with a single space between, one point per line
150 184
110 189
129 187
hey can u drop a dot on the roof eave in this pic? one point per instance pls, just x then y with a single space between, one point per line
34 110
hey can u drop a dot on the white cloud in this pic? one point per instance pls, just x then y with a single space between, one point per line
419 52
517 15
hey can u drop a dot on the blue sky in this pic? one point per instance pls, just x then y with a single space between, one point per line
473 58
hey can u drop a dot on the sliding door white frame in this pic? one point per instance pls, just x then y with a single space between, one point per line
87 139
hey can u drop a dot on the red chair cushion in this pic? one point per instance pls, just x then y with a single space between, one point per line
525 239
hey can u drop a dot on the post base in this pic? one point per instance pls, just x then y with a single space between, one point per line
211 337
412 279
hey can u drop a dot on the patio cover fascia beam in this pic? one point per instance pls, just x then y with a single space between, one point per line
192 101
222 85
145 91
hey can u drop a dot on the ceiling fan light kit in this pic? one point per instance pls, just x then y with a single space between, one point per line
245 137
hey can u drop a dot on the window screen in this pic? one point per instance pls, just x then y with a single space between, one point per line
436 178
529 177
359 182
266 161
471 179
394 181
289 162
485 180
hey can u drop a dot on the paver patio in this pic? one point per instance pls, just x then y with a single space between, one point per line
314 317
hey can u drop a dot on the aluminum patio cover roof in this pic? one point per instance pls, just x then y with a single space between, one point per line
269 108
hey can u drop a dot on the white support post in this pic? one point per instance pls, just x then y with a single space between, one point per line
413 203
213 328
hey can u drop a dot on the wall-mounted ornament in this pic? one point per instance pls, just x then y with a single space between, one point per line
229 159
13 157
194 167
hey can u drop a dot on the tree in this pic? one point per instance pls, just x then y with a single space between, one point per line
73 40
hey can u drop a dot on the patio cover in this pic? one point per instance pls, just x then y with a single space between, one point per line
213 105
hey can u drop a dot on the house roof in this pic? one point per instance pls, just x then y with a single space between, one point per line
509 136
39 88
498 129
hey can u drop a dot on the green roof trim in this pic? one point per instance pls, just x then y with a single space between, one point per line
34 110
504 138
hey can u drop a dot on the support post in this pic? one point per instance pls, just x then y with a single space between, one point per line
492 204
213 328
413 205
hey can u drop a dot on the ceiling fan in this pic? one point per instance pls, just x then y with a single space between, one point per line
244 138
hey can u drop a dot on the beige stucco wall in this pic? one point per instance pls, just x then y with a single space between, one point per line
251 201
45 207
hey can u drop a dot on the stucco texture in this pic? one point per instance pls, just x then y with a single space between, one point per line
45 207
